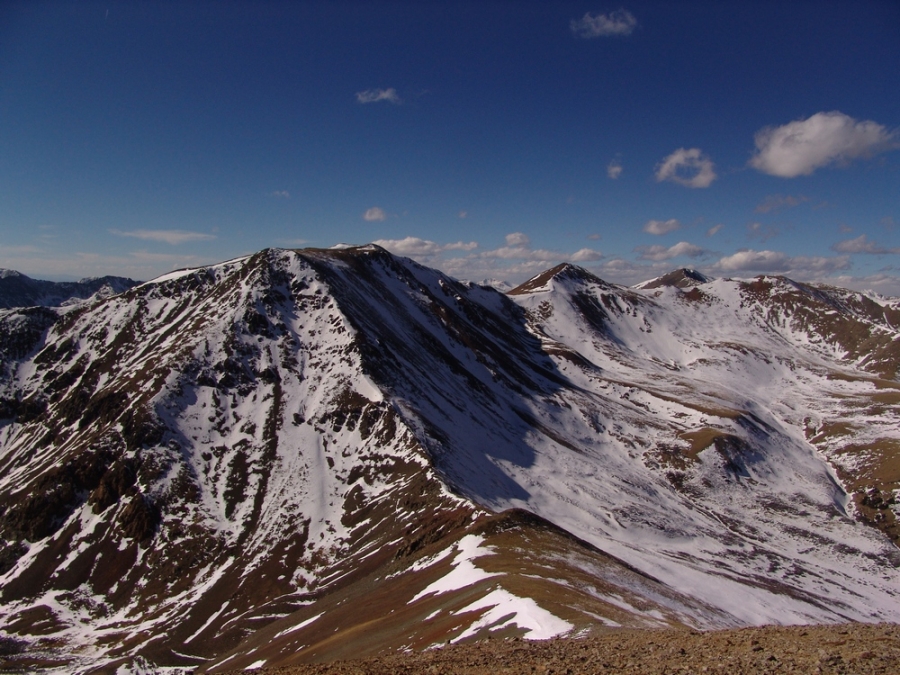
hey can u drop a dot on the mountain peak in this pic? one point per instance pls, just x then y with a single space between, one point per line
680 278
264 460
562 272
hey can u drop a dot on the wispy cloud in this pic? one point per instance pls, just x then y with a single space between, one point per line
881 282
18 250
375 214
861 244
376 95
516 260
714 230
518 247
614 169
281 194
768 261
173 237
661 226
80 264
761 232
422 248
827 138
779 202
658 253
688 167
619 22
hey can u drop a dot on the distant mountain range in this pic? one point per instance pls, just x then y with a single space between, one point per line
316 454
18 290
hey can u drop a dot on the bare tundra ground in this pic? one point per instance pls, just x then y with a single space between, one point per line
851 649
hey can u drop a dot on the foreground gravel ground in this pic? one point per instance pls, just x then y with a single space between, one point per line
854 649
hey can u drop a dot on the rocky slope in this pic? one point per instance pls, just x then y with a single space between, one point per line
303 454
859 649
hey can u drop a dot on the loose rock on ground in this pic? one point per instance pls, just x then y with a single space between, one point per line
851 649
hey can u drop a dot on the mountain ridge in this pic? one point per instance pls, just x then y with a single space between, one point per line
253 443
19 290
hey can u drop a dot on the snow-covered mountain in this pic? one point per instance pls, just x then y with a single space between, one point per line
18 290
309 454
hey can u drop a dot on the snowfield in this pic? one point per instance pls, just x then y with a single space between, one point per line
203 464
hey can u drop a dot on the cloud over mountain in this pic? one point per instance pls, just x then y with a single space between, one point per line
657 252
861 244
414 246
173 237
768 261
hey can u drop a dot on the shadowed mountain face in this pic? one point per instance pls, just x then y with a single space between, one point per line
17 290
279 457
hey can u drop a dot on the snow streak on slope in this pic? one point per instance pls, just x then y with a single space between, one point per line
203 454
686 454
657 430
220 448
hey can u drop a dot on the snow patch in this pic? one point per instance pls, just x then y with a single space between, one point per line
506 609
464 572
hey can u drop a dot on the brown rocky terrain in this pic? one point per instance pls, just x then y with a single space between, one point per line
319 455
851 649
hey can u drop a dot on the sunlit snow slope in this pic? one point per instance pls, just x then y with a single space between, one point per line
218 463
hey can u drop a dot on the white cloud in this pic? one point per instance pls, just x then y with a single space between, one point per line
659 253
282 194
376 95
803 267
713 230
517 239
518 247
173 237
614 169
800 147
586 255
750 260
688 167
619 22
880 282
375 214
463 215
861 244
514 262
808 267
461 246
415 247
661 226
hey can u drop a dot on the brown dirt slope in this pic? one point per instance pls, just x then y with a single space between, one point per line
851 649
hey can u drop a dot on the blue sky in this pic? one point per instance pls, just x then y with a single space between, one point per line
489 139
